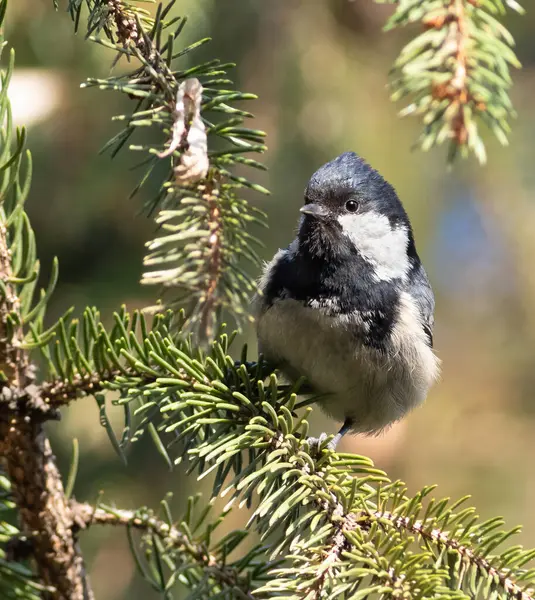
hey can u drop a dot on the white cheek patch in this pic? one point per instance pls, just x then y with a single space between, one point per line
384 247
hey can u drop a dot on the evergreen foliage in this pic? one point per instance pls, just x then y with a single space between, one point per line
456 73
331 524
203 238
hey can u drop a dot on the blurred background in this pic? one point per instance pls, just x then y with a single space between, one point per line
320 69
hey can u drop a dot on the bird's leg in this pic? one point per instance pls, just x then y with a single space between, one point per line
316 442
348 424
257 370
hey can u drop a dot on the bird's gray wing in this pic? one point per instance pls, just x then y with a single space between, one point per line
420 290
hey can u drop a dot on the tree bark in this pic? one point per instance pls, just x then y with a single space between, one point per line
44 511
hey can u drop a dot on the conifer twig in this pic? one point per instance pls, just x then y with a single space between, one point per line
61 393
29 462
441 538
457 72
203 235
27 459
225 575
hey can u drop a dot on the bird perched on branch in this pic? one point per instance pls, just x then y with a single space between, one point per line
348 304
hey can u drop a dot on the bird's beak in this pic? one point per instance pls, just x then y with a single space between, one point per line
314 210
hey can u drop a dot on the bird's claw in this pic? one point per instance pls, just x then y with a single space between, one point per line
317 444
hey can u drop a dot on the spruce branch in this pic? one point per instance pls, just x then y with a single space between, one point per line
14 363
339 523
203 245
42 507
456 73
233 578
125 22
36 486
61 393
442 539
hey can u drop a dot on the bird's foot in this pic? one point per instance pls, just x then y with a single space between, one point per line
318 444
259 369
248 364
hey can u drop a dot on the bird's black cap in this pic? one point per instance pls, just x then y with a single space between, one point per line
347 176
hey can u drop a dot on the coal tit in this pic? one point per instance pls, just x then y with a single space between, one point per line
348 304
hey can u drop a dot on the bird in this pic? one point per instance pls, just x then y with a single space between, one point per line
348 304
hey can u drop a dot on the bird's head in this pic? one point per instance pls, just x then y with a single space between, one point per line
351 210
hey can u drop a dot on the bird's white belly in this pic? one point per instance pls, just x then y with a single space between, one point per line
360 382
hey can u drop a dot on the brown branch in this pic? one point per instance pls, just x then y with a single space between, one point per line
56 394
87 515
43 509
13 360
214 262
28 459
456 89
125 22
189 136
61 393
338 545
42 402
460 80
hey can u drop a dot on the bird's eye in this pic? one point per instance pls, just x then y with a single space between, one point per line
352 206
